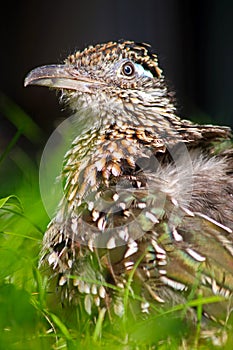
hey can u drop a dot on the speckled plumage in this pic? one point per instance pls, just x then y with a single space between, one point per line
145 192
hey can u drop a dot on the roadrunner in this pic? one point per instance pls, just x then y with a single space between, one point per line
148 196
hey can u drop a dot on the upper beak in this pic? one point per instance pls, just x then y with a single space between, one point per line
61 77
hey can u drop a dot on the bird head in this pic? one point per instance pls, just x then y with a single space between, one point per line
116 81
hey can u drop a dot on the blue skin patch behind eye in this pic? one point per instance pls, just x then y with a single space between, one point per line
142 71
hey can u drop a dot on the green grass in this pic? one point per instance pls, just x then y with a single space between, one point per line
27 319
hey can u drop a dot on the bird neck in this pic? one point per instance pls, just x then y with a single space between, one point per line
99 155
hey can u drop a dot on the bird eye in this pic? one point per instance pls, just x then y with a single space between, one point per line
128 69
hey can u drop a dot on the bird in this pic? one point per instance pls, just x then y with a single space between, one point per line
147 202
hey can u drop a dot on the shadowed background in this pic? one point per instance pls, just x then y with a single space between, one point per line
194 42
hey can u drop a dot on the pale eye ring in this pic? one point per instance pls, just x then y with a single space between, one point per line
128 69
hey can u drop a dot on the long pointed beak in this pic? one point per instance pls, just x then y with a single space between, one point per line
61 77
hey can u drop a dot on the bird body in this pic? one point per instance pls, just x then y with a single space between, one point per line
147 195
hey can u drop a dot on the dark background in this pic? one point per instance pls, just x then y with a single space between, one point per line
193 39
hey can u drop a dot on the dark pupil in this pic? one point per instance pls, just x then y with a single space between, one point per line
128 69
